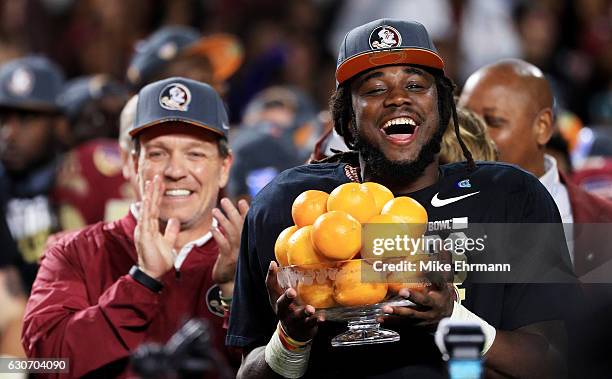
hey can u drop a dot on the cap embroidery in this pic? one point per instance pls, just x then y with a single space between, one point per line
352 173
175 97
21 82
167 51
384 37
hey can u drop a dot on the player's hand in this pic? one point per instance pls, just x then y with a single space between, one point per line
155 251
227 235
432 305
299 321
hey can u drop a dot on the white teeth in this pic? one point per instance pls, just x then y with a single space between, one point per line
399 121
177 192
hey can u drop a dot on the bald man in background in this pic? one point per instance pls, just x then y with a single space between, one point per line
516 102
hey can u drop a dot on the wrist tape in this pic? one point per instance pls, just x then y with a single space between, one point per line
285 358
462 314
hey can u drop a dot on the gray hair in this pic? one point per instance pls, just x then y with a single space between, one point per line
126 121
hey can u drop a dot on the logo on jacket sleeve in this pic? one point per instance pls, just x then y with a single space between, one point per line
385 37
213 301
175 97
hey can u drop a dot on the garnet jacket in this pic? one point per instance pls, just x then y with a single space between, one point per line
84 306
593 247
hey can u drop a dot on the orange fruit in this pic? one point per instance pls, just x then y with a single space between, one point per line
300 250
417 287
336 235
308 206
381 194
349 290
386 219
411 211
353 199
319 295
280 247
383 227
413 280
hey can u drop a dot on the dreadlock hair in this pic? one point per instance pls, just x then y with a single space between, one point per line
343 117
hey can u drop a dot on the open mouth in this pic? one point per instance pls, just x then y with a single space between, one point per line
400 130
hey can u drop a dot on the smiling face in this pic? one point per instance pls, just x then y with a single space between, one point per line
187 159
396 113
511 113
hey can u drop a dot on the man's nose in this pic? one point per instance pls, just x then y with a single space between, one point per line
397 97
176 167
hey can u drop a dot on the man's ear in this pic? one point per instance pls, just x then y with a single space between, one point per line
135 156
125 163
543 126
225 170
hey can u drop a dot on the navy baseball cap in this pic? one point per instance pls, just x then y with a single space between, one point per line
79 92
223 51
385 42
31 83
180 99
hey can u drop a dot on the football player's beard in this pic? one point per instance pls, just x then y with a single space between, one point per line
397 173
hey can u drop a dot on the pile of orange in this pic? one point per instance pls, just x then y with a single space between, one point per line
328 229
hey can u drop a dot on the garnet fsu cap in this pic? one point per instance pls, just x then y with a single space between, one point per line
180 99
32 83
385 42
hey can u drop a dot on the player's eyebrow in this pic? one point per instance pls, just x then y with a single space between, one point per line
413 70
372 75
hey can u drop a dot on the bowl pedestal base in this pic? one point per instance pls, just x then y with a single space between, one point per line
364 332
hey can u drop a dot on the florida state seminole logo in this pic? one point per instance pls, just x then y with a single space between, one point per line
175 97
385 37
21 82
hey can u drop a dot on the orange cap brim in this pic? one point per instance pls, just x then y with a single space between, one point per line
365 61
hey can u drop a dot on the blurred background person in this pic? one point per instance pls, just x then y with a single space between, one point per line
183 51
90 175
33 133
116 208
473 131
92 104
516 101
592 160
279 130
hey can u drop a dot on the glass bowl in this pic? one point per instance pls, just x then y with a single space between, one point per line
354 291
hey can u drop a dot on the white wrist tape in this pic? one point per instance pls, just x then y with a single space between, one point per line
461 313
290 364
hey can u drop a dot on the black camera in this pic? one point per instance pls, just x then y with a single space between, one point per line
188 354
461 344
